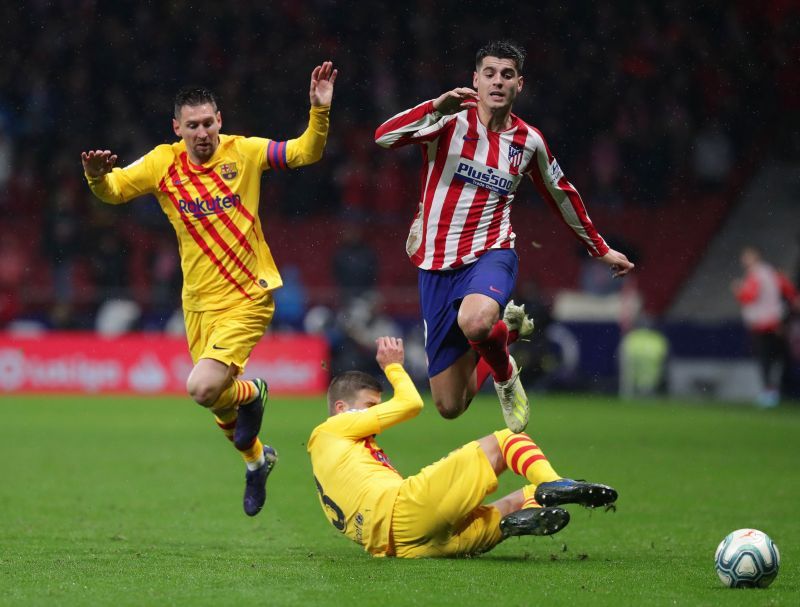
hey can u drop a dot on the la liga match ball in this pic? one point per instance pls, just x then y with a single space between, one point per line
747 558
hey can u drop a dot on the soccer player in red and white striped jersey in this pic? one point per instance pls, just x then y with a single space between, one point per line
208 185
475 154
763 294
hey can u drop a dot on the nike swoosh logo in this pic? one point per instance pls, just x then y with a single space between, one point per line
471 138
493 290
215 347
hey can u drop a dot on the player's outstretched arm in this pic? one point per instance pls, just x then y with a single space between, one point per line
423 123
406 402
97 163
308 148
618 262
323 78
114 185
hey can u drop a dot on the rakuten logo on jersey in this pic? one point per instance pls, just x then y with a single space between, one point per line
210 206
485 177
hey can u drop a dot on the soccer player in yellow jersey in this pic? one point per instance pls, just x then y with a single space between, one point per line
438 512
208 185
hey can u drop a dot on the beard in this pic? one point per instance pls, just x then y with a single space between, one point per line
204 152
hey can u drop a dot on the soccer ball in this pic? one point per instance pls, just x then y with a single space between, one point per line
747 558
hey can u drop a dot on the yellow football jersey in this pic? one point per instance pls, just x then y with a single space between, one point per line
357 484
213 208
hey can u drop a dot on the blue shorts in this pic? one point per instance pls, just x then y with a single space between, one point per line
440 295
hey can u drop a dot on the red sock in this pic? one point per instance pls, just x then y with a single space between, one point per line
483 370
494 351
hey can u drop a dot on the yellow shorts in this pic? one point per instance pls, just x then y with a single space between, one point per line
438 512
228 335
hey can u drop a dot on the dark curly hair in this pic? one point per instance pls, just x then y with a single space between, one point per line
502 49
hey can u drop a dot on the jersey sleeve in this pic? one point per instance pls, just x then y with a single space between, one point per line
420 124
563 198
121 185
304 150
405 404
255 150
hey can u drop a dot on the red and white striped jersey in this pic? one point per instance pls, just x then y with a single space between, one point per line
763 294
469 177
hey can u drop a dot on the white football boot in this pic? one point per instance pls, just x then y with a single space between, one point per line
516 319
513 400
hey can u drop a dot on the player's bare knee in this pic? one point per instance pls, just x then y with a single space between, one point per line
203 393
448 413
491 448
450 409
476 327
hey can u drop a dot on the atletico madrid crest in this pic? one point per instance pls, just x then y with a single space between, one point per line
515 155
228 170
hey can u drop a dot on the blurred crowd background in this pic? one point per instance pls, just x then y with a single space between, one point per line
661 114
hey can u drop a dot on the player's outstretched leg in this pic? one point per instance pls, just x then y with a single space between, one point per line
487 334
568 491
249 416
513 400
534 521
255 489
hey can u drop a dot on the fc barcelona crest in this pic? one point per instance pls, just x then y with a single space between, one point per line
228 170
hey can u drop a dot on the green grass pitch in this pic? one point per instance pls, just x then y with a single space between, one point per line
130 501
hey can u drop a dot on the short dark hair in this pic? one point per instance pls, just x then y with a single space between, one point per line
347 385
502 49
193 96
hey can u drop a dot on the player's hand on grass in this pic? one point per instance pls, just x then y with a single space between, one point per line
322 80
390 350
97 163
620 265
456 100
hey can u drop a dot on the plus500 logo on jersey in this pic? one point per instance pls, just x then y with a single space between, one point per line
484 177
